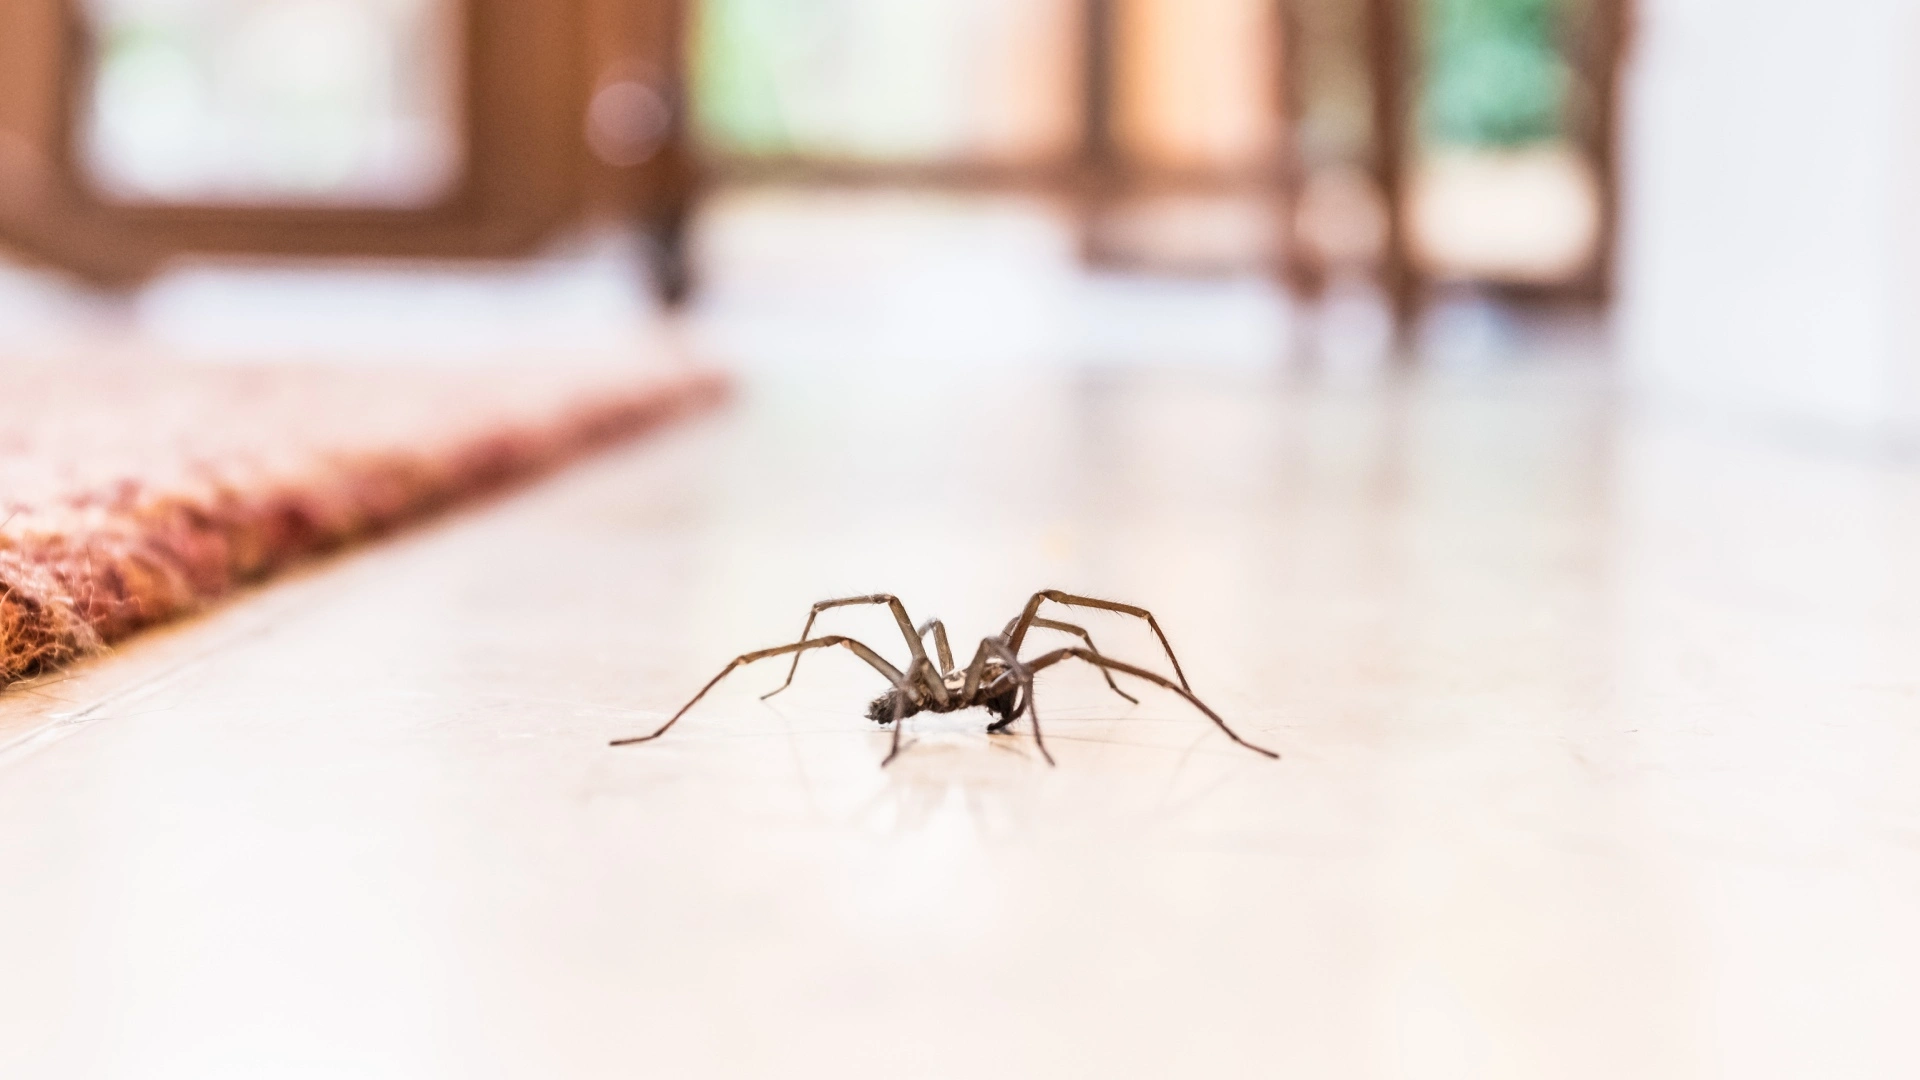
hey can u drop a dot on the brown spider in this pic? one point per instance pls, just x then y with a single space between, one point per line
997 680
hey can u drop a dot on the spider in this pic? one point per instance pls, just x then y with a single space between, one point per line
997 679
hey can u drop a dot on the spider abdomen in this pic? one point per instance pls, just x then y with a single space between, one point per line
882 709
1002 705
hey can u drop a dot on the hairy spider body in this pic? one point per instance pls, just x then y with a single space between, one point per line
997 679
998 693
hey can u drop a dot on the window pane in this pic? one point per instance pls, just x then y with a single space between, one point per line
1198 83
327 102
889 80
1495 76
1501 190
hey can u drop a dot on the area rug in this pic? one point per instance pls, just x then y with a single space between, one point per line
131 494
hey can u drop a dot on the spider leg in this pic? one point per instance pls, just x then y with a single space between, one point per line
1022 692
1081 633
975 672
1033 717
892 673
939 644
1098 660
919 668
980 687
1018 632
899 616
1025 675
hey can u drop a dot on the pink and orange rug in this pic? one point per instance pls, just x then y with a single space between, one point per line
132 494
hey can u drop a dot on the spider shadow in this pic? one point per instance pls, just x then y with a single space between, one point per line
945 770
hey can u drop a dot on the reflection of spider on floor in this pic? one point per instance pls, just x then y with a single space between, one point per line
997 680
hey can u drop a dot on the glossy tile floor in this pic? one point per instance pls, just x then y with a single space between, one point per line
1599 738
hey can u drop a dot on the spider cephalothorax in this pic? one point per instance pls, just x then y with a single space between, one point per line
902 702
997 679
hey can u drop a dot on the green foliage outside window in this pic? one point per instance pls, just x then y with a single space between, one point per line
738 46
1494 74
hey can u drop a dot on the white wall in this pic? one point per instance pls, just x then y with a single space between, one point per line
1769 225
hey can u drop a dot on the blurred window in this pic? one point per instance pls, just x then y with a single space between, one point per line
888 81
257 102
1197 128
1198 84
1340 224
1164 119
1504 188
1334 94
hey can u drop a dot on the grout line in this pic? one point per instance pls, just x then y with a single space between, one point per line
59 724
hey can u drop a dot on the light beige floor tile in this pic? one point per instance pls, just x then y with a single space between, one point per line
1599 752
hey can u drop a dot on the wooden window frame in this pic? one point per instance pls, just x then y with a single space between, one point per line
1395 76
520 176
